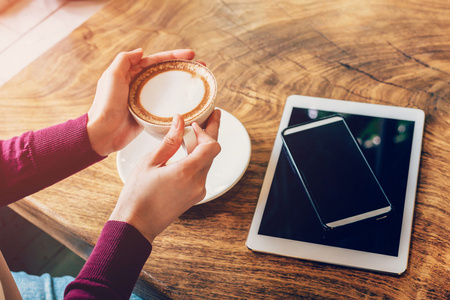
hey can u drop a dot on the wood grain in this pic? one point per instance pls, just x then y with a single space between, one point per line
386 52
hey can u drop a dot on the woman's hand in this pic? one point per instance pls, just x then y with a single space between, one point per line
110 125
155 194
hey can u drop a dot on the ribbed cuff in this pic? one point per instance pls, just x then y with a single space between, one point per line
118 258
61 150
65 147
36 160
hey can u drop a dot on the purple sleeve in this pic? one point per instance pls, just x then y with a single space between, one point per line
113 266
36 160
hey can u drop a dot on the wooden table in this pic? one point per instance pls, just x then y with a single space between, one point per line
377 51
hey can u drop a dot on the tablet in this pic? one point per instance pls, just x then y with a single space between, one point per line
286 222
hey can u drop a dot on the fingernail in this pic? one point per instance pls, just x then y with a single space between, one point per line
196 126
176 122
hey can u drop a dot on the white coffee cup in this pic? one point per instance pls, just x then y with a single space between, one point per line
172 87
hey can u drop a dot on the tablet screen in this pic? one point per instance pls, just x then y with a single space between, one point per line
386 144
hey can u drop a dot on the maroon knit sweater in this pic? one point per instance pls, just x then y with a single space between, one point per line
36 160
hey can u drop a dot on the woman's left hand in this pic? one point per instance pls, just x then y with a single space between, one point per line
110 125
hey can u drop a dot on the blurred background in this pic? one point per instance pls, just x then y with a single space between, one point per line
29 27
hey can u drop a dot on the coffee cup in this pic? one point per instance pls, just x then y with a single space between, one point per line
172 87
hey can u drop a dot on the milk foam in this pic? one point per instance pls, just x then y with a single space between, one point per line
172 92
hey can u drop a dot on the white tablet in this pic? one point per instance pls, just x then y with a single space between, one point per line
287 220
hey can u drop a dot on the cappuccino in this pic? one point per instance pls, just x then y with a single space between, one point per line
172 87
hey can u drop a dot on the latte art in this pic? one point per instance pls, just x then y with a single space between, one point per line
172 92
173 87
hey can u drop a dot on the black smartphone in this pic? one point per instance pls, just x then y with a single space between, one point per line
339 182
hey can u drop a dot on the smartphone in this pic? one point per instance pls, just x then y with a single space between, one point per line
339 182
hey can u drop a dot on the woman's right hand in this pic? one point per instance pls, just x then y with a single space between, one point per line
156 194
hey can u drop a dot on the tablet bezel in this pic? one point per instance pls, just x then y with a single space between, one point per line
331 254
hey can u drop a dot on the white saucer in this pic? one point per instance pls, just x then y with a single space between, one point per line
226 170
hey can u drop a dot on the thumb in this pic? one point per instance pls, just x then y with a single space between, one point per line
170 144
124 61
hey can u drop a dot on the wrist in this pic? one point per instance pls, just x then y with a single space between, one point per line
97 134
122 215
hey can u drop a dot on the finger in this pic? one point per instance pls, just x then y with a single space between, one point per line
167 55
202 136
213 124
134 70
206 144
203 155
170 144
124 61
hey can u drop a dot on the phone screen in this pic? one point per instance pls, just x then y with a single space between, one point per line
334 172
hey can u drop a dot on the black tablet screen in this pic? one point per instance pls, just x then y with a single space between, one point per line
386 145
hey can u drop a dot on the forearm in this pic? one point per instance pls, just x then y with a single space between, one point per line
36 160
113 266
